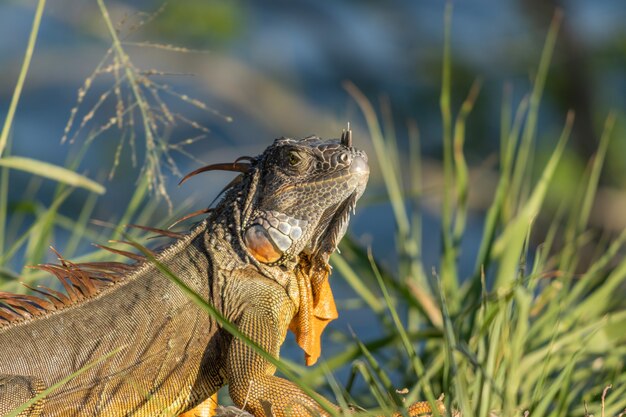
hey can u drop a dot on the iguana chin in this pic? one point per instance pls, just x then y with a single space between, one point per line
260 258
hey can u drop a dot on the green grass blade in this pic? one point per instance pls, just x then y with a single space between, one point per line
460 165
138 198
352 352
579 218
549 395
418 367
501 195
505 118
79 226
335 387
372 384
4 201
417 280
380 374
34 228
17 92
453 375
391 141
509 244
524 151
566 342
599 300
347 272
448 262
494 349
392 183
52 172
598 163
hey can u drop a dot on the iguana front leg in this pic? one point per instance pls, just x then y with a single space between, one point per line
253 386
251 381
15 390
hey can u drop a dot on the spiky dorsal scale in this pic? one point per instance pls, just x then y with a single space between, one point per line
80 281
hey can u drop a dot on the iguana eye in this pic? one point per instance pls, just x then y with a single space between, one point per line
294 158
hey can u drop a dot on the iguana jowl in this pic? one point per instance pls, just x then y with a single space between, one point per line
260 258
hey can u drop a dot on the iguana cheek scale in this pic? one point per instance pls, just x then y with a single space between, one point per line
165 354
272 234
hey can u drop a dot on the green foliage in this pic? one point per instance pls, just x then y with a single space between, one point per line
518 335
220 20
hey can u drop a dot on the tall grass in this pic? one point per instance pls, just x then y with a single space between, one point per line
525 331
516 336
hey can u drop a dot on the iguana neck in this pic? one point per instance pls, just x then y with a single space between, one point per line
225 227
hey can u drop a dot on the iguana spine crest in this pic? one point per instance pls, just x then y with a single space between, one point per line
85 280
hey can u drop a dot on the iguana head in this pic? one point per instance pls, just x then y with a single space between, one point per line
292 206
305 193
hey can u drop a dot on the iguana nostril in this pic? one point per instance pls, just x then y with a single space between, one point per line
359 165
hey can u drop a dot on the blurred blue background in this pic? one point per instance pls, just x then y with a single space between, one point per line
276 68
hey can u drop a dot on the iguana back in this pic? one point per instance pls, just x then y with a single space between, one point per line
162 338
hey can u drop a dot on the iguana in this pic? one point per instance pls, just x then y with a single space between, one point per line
260 258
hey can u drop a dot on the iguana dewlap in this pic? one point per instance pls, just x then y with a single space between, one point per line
261 258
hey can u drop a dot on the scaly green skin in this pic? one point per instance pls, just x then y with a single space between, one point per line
173 355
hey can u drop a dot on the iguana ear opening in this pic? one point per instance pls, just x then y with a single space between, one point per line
317 309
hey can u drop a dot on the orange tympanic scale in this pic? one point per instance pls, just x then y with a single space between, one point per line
260 245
